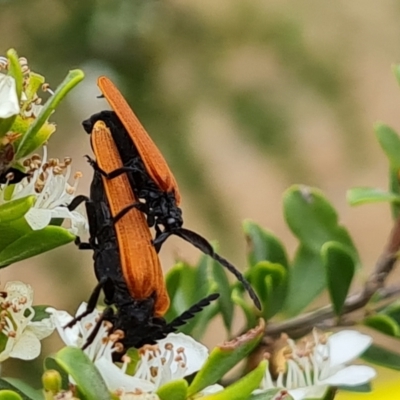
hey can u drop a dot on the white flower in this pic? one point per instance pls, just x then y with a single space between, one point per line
174 357
9 104
20 337
49 183
312 366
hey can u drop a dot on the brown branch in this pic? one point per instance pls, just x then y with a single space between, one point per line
299 326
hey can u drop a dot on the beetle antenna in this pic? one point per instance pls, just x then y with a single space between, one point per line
191 312
203 245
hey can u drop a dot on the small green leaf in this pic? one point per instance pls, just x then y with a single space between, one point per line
86 376
15 70
307 279
71 80
270 282
380 356
314 221
364 195
263 245
25 391
41 136
225 357
340 271
176 390
15 209
390 143
237 298
241 389
34 243
392 310
312 218
383 323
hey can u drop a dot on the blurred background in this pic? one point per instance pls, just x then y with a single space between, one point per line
244 98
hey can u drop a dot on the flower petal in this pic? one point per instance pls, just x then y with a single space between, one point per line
314 392
9 104
345 346
212 389
43 328
116 379
196 353
27 346
69 336
351 376
38 218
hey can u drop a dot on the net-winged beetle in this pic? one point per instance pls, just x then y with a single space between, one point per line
150 177
126 264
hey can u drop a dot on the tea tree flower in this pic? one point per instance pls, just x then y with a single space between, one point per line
308 368
172 358
9 104
49 184
20 336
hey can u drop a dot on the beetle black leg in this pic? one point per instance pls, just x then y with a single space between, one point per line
138 205
105 316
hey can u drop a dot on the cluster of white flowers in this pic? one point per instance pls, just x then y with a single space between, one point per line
171 358
48 180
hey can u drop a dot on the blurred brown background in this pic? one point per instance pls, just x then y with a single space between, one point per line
244 98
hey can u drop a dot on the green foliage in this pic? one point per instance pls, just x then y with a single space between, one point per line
224 358
89 382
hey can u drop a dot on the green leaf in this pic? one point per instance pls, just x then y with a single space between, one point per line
176 390
15 209
340 269
263 245
25 391
22 125
241 389
314 221
88 379
312 218
34 243
380 356
15 70
270 282
392 310
307 279
237 298
390 143
383 323
363 195
71 80
189 285
224 358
